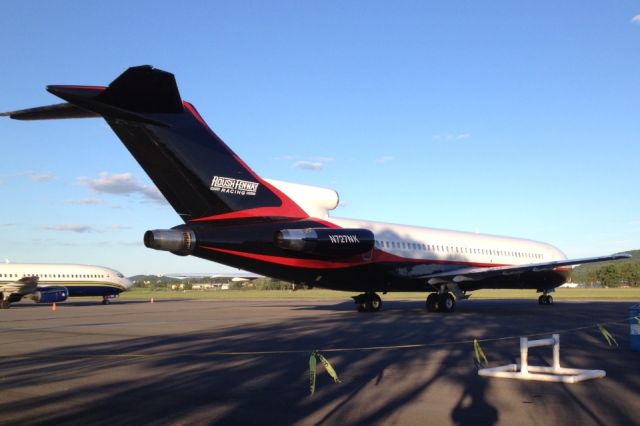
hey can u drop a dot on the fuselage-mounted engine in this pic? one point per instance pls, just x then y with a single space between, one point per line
326 241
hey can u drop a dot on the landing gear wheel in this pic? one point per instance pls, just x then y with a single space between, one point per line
446 302
545 299
105 301
5 304
368 302
432 302
374 303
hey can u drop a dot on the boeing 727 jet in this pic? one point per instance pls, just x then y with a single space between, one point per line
54 282
284 230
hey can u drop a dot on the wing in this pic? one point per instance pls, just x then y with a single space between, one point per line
17 289
477 274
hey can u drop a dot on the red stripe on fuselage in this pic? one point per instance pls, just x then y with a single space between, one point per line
290 261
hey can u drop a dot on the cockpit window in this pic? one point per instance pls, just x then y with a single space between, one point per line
120 275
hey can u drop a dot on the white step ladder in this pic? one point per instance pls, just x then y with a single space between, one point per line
555 373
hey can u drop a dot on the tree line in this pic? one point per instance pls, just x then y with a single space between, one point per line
611 275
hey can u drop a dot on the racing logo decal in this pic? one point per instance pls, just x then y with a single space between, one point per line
233 186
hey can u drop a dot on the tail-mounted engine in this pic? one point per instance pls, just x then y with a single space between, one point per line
177 241
326 242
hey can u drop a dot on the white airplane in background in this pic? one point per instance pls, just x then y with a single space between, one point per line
54 282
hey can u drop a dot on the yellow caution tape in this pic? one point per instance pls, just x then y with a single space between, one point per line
481 358
609 338
312 372
315 355
329 368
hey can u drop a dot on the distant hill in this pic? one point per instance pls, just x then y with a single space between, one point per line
586 273
152 278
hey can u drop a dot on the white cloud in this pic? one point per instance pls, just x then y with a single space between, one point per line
636 20
316 163
118 227
308 165
69 227
450 137
40 176
384 159
84 201
122 184
154 194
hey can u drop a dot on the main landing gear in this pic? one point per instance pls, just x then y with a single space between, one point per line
545 299
368 302
106 300
440 302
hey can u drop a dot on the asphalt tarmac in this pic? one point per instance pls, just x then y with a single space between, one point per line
246 362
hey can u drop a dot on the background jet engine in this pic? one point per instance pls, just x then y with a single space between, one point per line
50 294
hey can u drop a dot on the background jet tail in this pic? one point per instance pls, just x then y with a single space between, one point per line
198 174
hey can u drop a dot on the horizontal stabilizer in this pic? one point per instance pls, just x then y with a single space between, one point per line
198 174
50 112
144 89
86 98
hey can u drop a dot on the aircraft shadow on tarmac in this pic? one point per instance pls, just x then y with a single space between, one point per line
185 377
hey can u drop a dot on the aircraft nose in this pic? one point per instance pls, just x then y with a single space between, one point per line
127 283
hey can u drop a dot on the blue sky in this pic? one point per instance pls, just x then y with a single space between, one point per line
512 118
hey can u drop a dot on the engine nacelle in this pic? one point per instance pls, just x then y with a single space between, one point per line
325 241
50 294
178 241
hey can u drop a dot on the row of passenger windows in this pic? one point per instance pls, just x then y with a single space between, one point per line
402 245
53 275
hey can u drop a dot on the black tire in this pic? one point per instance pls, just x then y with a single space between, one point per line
372 302
361 307
541 300
105 301
5 304
549 300
376 303
432 302
446 303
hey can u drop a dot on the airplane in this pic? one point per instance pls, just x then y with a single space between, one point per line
282 229
54 282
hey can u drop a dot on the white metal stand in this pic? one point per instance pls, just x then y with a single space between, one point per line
555 373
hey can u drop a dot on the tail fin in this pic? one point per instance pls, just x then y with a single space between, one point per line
200 176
